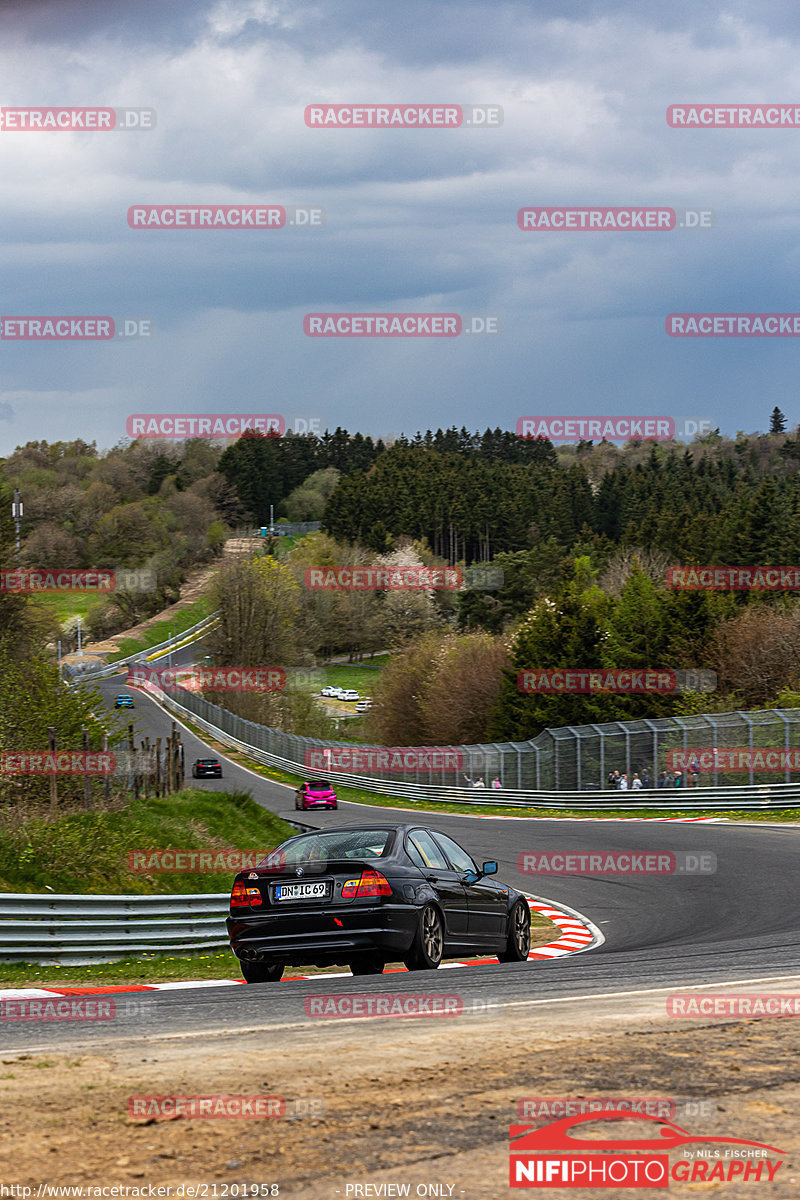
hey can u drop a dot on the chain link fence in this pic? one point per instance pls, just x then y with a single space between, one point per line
727 750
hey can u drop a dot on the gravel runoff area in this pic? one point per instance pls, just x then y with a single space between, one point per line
392 1101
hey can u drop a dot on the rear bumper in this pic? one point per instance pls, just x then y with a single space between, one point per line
315 938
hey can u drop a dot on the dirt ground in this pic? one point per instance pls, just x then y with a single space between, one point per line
394 1101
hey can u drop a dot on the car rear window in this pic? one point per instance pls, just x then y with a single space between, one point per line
318 785
319 847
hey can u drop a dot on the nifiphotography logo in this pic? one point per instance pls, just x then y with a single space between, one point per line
553 1156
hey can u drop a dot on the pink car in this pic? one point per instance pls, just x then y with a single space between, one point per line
317 793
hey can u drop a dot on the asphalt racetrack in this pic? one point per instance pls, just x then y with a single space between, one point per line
741 923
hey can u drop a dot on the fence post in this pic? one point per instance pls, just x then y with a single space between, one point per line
51 741
173 781
87 782
158 766
106 778
146 763
132 748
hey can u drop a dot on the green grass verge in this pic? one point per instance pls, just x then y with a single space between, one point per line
356 675
143 968
66 604
183 619
88 851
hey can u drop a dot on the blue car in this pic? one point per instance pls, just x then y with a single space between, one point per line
124 701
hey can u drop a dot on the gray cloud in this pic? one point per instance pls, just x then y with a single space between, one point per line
416 220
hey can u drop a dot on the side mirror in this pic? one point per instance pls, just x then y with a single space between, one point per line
489 868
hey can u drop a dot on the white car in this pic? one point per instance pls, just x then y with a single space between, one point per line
329 691
348 694
363 706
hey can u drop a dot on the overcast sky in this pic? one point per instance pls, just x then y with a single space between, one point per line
417 220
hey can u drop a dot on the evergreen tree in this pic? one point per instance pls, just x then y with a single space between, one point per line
777 421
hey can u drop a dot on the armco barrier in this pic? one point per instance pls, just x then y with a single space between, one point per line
185 638
244 735
82 929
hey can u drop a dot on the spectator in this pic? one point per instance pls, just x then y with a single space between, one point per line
678 779
646 780
479 783
662 779
496 783
623 783
636 783
613 779
694 771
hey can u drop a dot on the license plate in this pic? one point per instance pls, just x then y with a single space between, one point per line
301 891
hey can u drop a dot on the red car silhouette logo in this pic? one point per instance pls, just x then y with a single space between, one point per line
557 1136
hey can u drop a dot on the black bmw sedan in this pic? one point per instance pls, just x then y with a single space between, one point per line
363 896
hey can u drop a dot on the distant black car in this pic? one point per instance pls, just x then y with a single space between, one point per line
364 896
207 768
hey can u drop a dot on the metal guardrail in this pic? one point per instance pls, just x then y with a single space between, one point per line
175 643
756 797
91 929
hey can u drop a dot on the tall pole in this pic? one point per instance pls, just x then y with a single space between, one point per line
16 512
80 645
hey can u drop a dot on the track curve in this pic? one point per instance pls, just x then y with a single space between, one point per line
741 923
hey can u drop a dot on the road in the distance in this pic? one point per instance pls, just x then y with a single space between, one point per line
743 922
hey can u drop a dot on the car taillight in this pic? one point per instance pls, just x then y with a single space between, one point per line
371 883
245 897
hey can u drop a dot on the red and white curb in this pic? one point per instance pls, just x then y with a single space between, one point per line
577 934
593 819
